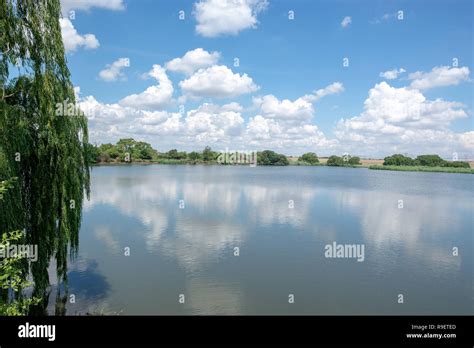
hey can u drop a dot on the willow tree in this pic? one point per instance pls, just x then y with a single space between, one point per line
45 150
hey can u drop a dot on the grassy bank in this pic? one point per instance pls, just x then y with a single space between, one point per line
424 169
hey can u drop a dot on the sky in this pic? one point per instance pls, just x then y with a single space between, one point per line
367 78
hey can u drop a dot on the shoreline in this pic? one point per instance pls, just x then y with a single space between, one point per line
448 170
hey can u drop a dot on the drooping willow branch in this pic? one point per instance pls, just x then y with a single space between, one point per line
46 152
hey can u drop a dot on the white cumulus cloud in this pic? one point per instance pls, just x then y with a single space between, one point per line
262 132
113 71
439 76
110 122
226 17
392 74
154 97
297 110
467 140
192 61
217 81
287 124
333 88
73 40
211 123
346 21
402 119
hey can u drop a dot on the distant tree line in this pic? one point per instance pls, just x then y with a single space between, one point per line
130 150
422 160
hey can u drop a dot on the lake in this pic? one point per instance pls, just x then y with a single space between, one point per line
243 240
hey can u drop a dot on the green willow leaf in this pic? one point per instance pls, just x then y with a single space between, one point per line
46 152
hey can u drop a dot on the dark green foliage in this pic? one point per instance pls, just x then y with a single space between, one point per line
354 161
143 151
425 169
93 154
108 152
46 152
398 160
125 145
13 278
309 157
194 156
13 275
423 160
175 154
429 161
335 161
457 164
346 161
271 158
125 148
209 155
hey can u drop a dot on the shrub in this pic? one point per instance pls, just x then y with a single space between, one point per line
457 164
194 156
430 161
208 154
335 161
398 160
271 158
309 157
353 161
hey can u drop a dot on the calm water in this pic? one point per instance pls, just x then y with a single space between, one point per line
190 251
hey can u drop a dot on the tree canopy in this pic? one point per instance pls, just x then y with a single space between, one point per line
354 161
271 158
398 160
44 150
422 160
335 161
309 157
430 161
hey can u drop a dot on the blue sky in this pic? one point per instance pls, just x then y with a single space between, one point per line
427 108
